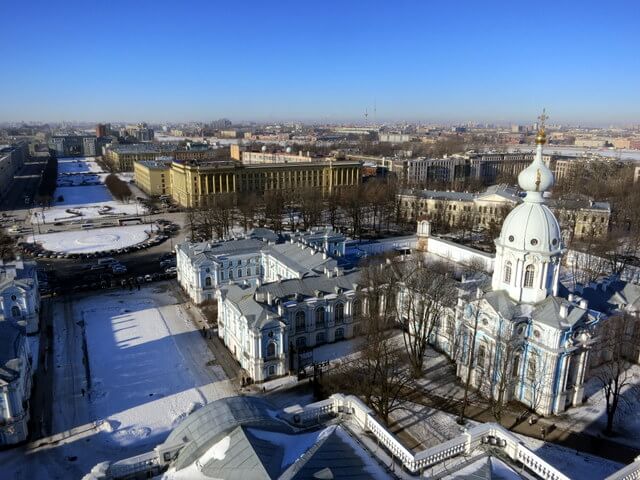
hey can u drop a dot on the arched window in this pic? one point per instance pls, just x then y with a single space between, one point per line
15 311
320 338
339 312
207 282
271 350
239 272
481 356
532 369
529 273
300 321
356 308
339 333
230 274
320 317
507 272
272 370
301 342
515 373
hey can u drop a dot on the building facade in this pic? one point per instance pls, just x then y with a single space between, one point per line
580 217
12 159
152 176
19 294
198 182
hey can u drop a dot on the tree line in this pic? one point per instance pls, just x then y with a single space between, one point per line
118 188
370 208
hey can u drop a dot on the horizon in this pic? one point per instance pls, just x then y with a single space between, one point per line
398 63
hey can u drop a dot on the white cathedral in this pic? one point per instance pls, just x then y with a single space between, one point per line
532 342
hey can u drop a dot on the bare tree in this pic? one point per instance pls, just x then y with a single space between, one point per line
274 209
426 292
247 209
310 207
618 338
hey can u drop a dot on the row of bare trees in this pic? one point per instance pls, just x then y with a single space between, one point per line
371 206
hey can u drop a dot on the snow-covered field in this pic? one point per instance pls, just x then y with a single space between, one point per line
82 195
149 367
96 240
145 376
78 165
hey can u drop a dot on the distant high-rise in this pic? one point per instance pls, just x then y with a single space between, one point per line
103 129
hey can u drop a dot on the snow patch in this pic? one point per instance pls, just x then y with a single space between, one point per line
96 240
216 452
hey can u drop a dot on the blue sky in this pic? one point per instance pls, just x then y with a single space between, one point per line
323 61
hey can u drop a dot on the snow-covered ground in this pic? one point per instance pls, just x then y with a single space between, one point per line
82 195
149 367
78 165
431 427
95 240
591 416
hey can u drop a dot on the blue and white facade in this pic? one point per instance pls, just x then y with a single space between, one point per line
531 345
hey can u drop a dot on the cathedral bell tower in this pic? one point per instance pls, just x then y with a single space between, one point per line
529 247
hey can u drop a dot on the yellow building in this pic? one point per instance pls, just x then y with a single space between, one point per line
153 176
195 183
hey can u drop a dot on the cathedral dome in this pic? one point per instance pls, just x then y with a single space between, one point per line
531 227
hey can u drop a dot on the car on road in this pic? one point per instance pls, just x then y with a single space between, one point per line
118 269
148 278
171 270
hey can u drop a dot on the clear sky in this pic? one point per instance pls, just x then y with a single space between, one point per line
320 60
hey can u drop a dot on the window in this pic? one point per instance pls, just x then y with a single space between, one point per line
356 308
230 274
320 338
271 350
320 317
239 272
529 273
272 370
339 313
531 369
516 367
300 321
507 272
339 333
301 342
15 311
207 282
480 357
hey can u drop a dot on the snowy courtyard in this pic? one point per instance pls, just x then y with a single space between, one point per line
82 195
148 368
95 240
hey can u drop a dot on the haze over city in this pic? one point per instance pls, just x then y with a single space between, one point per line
493 62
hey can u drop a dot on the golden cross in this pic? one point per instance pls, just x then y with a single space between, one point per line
542 118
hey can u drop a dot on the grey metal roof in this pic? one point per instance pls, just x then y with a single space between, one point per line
257 314
300 260
309 286
338 458
548 313
206 426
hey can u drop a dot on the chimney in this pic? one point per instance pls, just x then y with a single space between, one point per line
269 298
584 304
571 297
564 310
324 255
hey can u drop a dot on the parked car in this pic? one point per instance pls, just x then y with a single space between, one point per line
148 278
171 270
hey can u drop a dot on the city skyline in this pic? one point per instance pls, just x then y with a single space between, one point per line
322 64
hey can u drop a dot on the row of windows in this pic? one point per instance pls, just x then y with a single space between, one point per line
321 338
529 274
320 315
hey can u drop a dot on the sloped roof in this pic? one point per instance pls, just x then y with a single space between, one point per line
485 468
548 313
207 425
